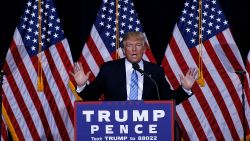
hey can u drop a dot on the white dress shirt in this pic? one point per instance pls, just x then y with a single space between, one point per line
129 70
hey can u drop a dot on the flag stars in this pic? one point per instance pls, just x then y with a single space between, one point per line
52 17
101 23
33 48
217 27
109 18
29 3
132 11
191 15
211 16
206 6
112 4
103 16
25 19
213 1
188 29
27 11
186 4
192 40
189 22
29 29
33 14
208 31
23 26
34 7
57 28
210 24
31 22
219 12
110 11
107 34
124 16
204 13
27 37
131 19
194 33
193 7
55 35
123 24
46 6
137 21
50 24
213 9
137 29
108 26
225 22
130 27
182 19
184 11
218 20
58 20
113 44
34 40
53 10
36 32
125 9
104 8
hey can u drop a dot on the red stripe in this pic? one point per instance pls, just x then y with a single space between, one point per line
184 133
94 51
4 132
21 104
199 94
66 60
32 93
60 85
186 104
149 54
11 114
229 85
229 53
86 67
56 114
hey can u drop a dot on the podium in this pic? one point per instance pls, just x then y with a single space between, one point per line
124 120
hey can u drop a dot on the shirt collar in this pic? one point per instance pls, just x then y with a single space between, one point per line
129 66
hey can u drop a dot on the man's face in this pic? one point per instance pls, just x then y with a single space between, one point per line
134 49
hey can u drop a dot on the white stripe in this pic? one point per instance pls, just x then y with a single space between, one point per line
33 76
229 38
193 100
67 50
237 85
90 60
186 123
65 78
15 108
208 93
100 45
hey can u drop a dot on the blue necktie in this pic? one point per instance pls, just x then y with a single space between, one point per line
133 86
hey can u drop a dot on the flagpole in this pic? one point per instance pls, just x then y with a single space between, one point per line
117 28
40 86
200 79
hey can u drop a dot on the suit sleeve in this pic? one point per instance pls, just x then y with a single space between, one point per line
179 95
94 90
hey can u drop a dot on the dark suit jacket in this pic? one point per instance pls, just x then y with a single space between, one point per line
111 81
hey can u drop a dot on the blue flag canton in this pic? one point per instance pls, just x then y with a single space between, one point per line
106 22
51 31
213 21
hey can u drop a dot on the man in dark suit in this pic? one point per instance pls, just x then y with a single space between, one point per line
115 77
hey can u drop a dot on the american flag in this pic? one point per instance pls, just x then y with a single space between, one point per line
214 112
4 131
33 115
100 47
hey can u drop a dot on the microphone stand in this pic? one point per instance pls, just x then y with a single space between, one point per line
241 73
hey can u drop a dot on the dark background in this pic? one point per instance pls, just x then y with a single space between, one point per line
158 18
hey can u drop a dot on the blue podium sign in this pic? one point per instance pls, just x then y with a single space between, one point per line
124 120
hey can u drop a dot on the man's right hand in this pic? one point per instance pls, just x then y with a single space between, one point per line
80 77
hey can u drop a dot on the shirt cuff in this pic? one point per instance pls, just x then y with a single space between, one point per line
79 89
189 92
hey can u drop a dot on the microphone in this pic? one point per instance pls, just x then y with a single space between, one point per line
240 72
137 68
